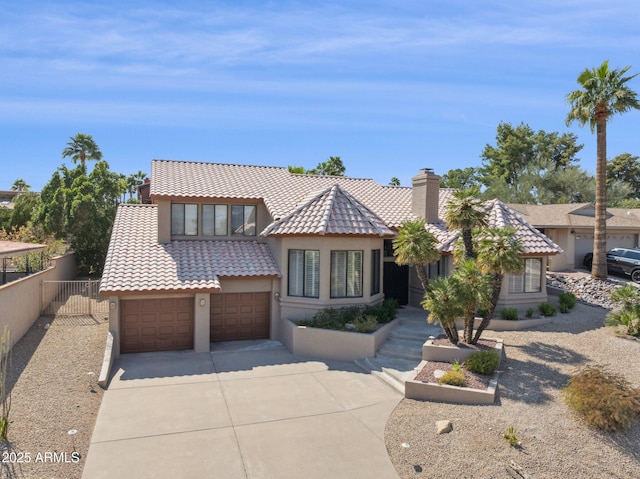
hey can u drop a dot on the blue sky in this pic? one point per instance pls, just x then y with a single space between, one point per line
389 86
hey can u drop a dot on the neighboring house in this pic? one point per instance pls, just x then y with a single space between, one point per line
227 252
6 198
571 227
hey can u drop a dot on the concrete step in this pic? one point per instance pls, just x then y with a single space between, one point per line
387 352
409 335
402 346
370 365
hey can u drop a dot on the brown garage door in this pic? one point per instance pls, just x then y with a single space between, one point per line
239 316
156 324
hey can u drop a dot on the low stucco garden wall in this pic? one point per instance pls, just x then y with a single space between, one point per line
330 344
21 301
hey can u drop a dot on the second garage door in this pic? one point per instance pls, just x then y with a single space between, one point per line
240 316
156 324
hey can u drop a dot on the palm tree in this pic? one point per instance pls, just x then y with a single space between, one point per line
20 185
498 254
603 93
82 147
464 212
394 181
415 246
475 288
442 300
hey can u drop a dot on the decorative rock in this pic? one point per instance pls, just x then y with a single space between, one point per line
587 290
438 373
443 427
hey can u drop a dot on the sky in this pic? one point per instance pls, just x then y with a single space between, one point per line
389 86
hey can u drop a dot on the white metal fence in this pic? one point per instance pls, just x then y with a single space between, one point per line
73 298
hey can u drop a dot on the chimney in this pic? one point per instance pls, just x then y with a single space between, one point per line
424 195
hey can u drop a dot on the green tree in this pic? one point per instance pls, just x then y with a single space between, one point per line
465 212
499 253
80 208
81 148
527 166
460 178
415 246
603 93
625 168
394 181
296 169
332 167
23 207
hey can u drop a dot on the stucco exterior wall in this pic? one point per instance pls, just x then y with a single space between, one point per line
563 238
523 301
21 301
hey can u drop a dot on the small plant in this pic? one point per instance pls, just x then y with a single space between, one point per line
365 324
529 312
483 362
510 436
567 302
510 314
627 314
453 378
456 365
603 399
546 309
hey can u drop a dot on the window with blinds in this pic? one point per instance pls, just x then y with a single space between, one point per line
304 273
529 281
346 274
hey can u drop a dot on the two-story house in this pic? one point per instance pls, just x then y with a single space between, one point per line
228 252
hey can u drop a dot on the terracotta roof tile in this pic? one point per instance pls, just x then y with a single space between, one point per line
498 215
332 211
137 262
281 191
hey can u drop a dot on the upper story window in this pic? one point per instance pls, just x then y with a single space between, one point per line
529 281
304 273
214 220
184 219
243 220
346 274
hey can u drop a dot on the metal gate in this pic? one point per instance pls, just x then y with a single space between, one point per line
73 298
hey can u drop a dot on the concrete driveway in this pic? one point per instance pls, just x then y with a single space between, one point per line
246 410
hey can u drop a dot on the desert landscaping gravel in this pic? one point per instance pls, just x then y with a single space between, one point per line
554 444
55 391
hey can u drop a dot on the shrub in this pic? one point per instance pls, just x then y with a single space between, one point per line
366 324
567 301
529 312
627 314
483 362
510 314
453 378
602 399
546 309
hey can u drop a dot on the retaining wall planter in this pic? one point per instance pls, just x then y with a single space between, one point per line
444 393
336 345
448 352
497 324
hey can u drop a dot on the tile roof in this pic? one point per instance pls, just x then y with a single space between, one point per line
498 215
576 215
281 191
137 262
331 212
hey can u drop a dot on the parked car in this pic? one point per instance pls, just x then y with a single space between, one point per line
620 260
